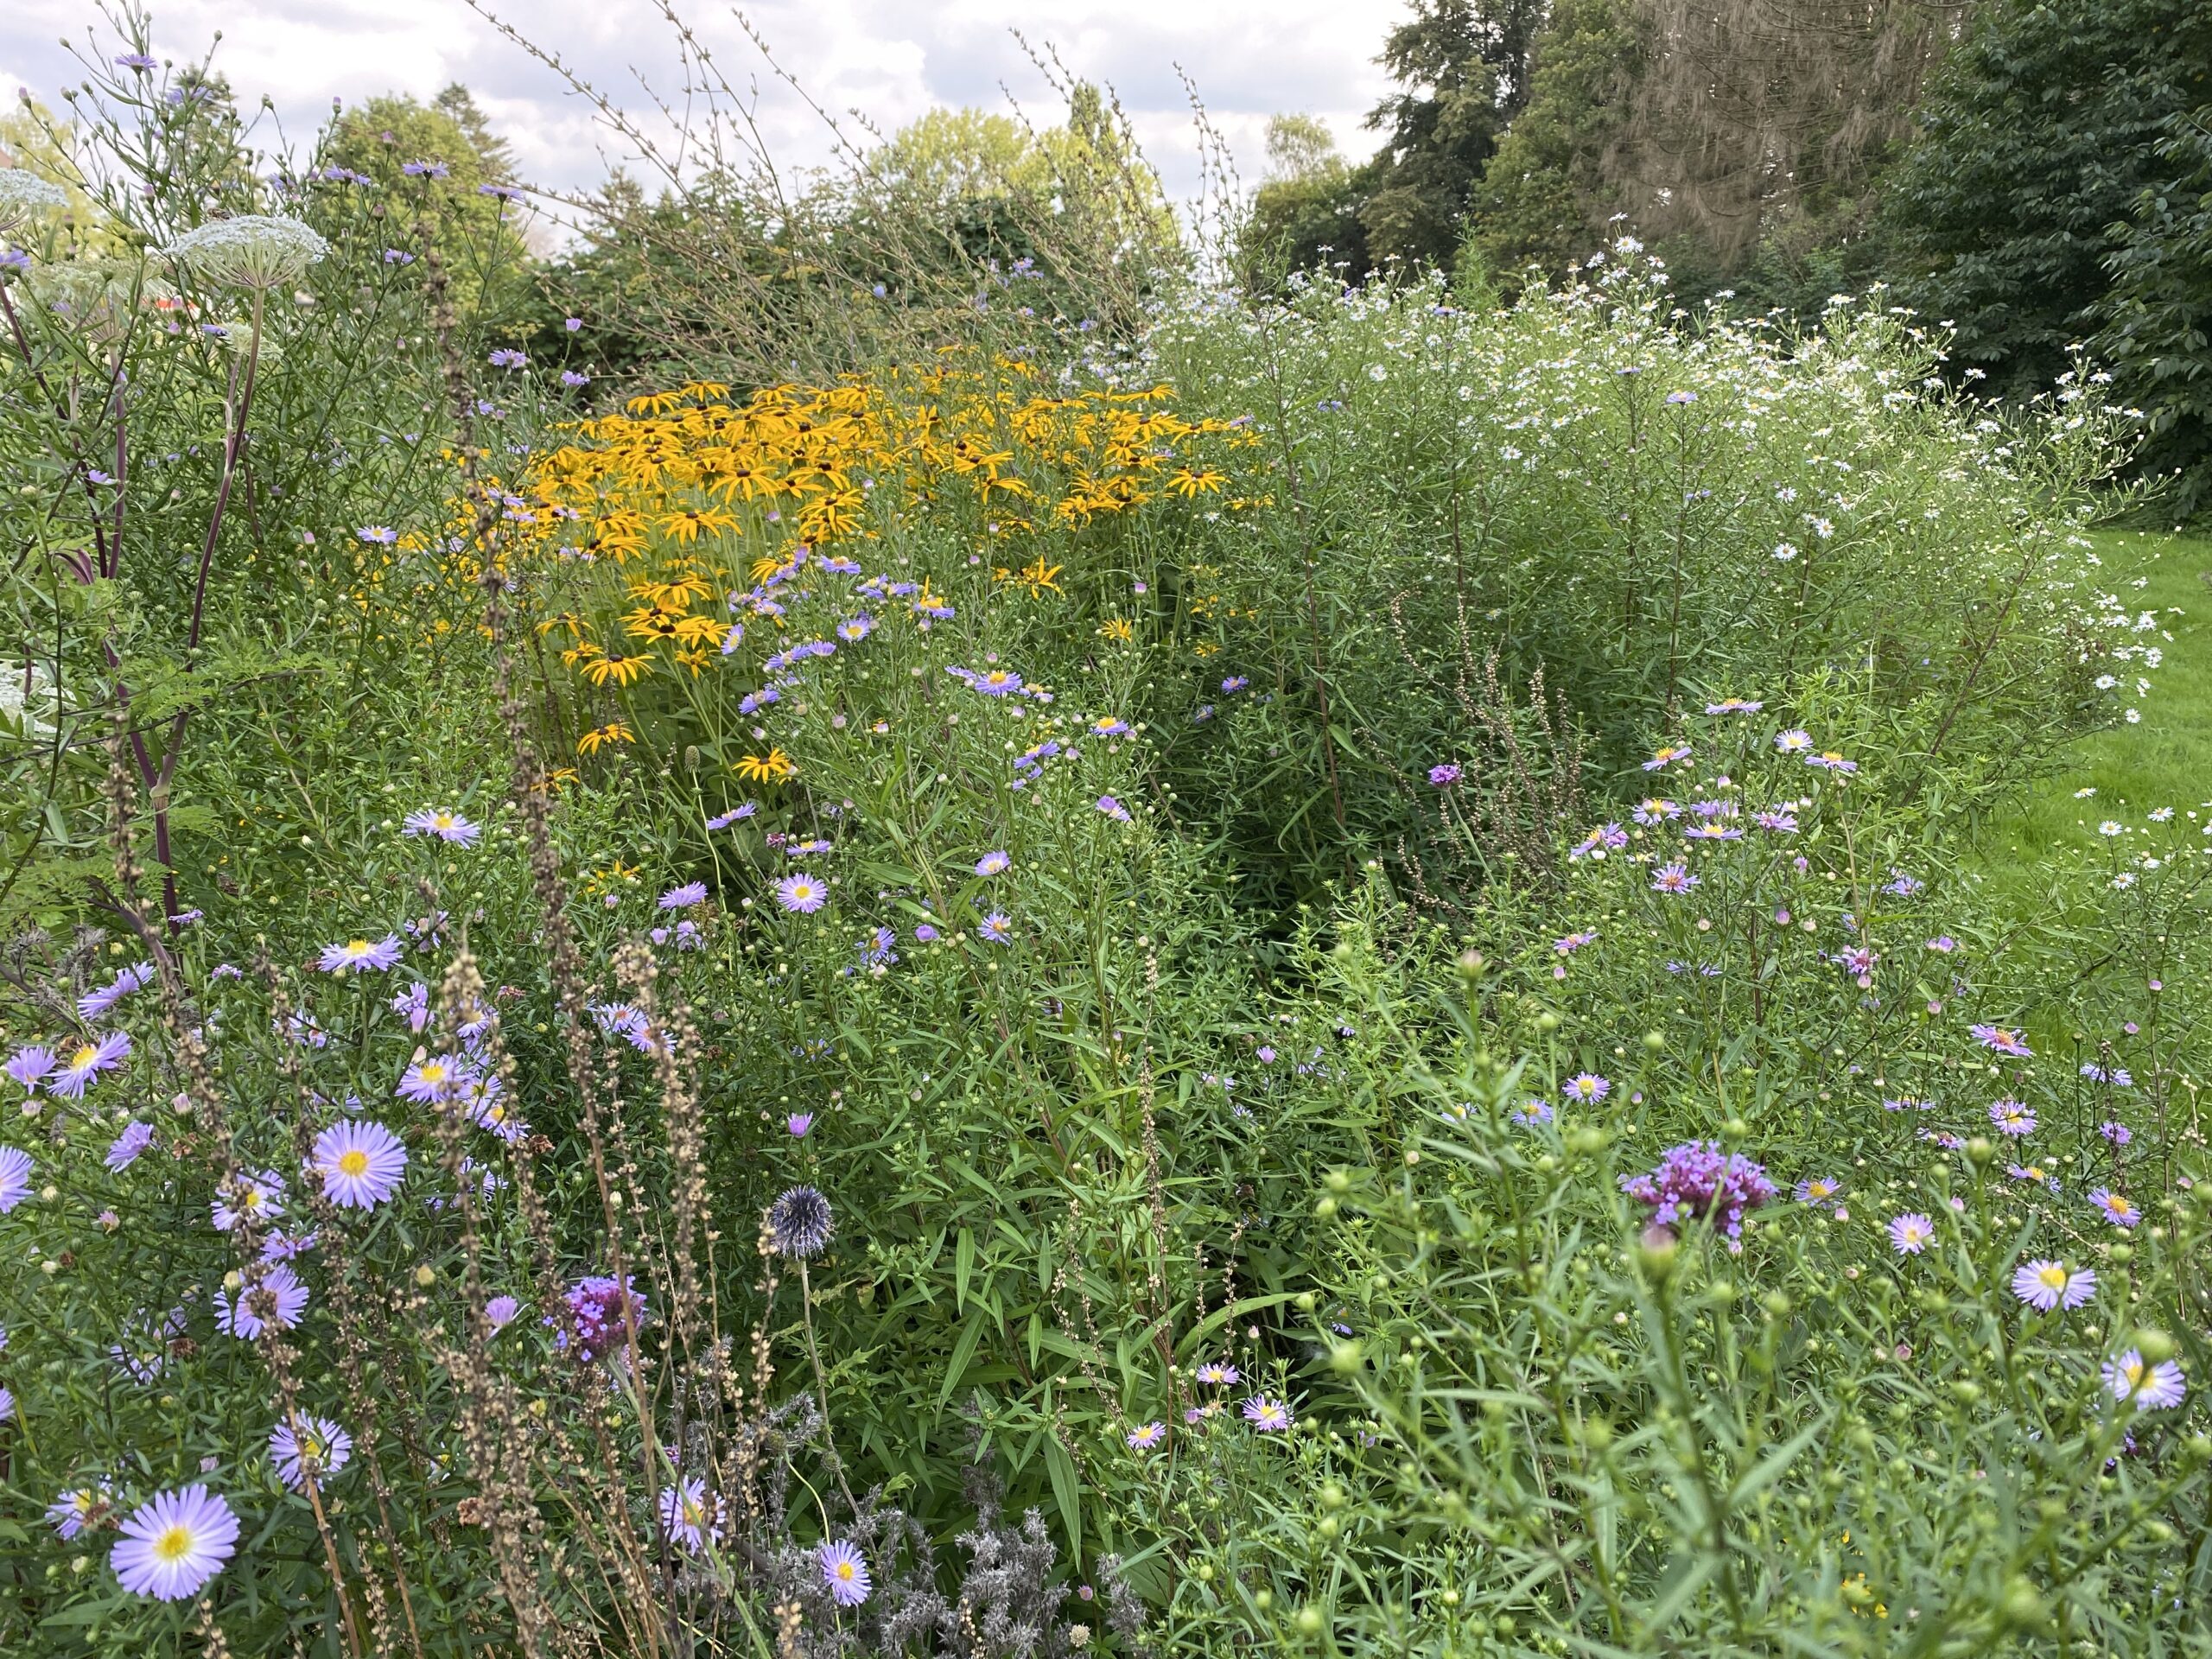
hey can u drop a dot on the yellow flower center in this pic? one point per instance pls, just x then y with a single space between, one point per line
434 1073
175 1544
356 947
845 1571
83 1057
2054 1277
354 1162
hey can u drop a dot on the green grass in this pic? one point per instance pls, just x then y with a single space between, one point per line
2165 759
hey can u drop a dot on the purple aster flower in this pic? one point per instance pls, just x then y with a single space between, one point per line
258 1199
1942 944
735 815
1444 776
1113 809
500 1310
996 928
802 894
14 1176
446 826
1735 706
845 1573
1267 1416
1218 1374
1794 741
278 1300
1587 1087
127 1147
1669 755
413 1004
1605 838
1697 1179
73 1511
2000 1040
993 864
1235 683
1107 726
2153 1387
925 934
1145 1437
2117 1076
424 169
572 323
1830 761
360 1164
2119 1133
798 1123
1532 1114
27 1065
2116 1208
137 60
682 897
1779 820
429 1081
359 957
382 535
1911 1233
174 1543
1674 877
572 378
1819 1189
398 257
2046 1285
2012 1117
688 1515
94 1005
317 1447
1568 944
81 1065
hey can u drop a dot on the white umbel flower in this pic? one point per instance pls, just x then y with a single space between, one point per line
252 251
24 193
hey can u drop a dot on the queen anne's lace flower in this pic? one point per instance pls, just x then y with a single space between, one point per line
260 251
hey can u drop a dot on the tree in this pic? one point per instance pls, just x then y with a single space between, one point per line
2038 135
1545 194
1305 212
2158 317
1463 68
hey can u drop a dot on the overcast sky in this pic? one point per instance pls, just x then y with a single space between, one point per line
891 60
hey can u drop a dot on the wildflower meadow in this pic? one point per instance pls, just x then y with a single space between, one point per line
832 940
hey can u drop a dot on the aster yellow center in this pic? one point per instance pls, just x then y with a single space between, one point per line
83 1057
434 1074
175 1544
353 1161
845 1571
2054 1277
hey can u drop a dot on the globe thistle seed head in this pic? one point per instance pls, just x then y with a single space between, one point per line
23 195
254 250
800 1223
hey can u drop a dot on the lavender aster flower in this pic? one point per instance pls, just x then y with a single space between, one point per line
28 1064
1145 1437
360 1164
682 897
993 864
500 1310
845 1573
14 1176
688 1515
128 1146
802 894
84 1063
279 1300
2047 1285
2115 1208
1911 1233
446 826
1267 1416
996 928
320 1447
359 957
2153 1387
174 1543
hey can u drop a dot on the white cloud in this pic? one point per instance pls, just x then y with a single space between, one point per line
891 61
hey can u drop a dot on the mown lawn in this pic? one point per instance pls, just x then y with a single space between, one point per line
2165 759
